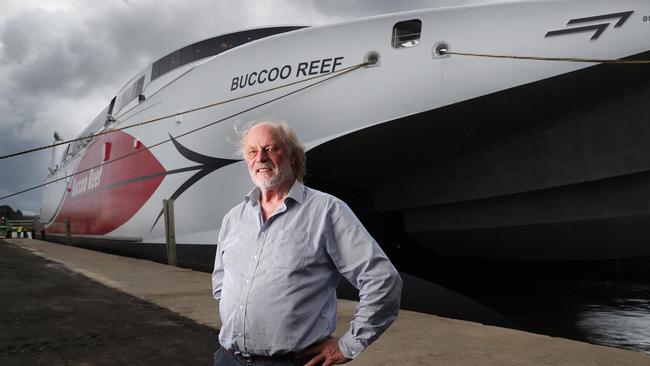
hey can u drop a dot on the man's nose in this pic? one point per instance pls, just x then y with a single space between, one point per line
262 155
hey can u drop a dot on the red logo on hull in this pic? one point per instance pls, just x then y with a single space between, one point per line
102 199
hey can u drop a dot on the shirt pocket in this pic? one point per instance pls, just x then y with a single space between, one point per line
290 249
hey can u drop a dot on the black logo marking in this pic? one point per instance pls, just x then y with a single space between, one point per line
598 28
207 165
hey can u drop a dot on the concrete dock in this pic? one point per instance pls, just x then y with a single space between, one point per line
414 339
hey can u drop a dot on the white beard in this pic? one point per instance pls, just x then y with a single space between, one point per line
270 181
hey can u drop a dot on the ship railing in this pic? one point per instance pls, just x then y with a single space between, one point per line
25 224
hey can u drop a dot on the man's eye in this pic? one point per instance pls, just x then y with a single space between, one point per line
252 152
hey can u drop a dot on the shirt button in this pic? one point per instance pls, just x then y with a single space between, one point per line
241 307
247 281
255 257
240 334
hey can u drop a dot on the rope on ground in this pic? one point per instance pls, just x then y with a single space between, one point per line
331 76
541 58
105 132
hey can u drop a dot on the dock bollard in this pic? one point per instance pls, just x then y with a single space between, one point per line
170 232
68 234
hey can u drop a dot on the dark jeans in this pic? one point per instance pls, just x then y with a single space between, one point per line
225 358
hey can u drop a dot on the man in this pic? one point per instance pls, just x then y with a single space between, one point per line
279 258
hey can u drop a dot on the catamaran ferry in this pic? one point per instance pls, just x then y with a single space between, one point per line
494 130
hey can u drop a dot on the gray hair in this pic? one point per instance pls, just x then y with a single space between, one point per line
290 142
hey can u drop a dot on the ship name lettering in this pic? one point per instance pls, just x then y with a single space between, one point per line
87 183
261 77
94 178
318 66
307 68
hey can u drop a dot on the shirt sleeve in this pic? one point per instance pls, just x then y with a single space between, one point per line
361 261
217 272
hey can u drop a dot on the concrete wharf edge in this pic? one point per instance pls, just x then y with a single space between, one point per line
414 338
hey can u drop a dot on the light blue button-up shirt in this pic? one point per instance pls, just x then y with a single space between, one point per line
276 280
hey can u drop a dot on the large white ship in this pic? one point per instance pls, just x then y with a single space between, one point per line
467 156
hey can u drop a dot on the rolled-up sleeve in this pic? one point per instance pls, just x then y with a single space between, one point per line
364 264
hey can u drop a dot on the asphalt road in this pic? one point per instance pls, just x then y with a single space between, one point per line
52 316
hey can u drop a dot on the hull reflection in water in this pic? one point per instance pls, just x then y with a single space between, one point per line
620 319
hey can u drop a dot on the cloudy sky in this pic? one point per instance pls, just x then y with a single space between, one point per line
61 61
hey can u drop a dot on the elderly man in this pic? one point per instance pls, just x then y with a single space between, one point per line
279 258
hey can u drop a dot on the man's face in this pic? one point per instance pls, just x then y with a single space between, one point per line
267 159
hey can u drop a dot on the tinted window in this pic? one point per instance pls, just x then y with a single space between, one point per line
138 87
95 126
187 55
155 70
223 44
174 60
211 47
201 50
164 65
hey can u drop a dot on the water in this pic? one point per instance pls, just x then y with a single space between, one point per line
604 312
620 319
574 304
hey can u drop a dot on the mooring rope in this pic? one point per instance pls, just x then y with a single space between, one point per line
541 58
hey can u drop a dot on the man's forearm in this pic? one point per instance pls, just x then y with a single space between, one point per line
377 309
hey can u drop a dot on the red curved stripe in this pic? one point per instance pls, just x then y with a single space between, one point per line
103 199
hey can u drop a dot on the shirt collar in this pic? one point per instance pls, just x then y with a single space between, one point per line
254 196
296 193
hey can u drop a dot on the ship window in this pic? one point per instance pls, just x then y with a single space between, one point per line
155 69
129 94
187 55
223 44
174 60
407 33
200 49
211 47
95 126
164 65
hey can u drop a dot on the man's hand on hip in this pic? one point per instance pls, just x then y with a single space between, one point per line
325 354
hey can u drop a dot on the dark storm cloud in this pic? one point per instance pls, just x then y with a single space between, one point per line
53 51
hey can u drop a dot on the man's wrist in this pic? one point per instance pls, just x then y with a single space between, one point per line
349 346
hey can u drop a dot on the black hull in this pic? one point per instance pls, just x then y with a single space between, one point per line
553 170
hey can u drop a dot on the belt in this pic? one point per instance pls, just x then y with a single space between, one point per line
255 358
